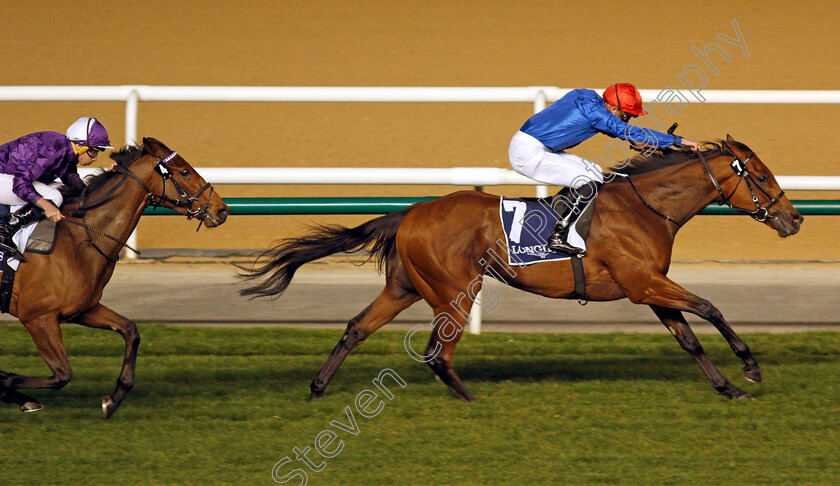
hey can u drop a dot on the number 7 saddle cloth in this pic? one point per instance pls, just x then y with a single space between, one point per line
528 222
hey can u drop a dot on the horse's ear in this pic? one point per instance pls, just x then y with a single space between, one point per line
153 147
729 138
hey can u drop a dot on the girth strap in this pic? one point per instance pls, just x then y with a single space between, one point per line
7 284
580 280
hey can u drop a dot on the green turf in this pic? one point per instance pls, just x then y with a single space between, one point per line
219 405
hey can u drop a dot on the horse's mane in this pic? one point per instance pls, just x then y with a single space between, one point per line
642 164
122 157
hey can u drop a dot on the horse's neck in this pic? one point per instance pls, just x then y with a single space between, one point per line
681 191
119 215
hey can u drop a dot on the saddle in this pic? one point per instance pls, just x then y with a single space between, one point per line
583 222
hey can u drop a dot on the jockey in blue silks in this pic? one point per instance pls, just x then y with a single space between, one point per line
538 149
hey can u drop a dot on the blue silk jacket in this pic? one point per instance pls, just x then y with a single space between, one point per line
580 115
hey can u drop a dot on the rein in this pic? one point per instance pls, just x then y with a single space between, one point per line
666 218
154 200
89 228
760 214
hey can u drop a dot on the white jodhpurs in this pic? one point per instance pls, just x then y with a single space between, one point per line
8 197
529 157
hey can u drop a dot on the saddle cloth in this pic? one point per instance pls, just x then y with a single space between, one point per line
528 222
35 238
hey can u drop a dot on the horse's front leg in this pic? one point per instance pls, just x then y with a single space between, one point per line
674 321
663 292
101 317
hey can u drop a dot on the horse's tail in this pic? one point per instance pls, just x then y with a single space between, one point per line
287 255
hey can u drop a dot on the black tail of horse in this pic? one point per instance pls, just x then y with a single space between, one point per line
286 256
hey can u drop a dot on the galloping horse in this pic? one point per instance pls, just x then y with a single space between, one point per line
66 285
434 250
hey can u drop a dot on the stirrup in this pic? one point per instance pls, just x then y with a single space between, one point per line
564 247
8 249
16 254
558 241
11 251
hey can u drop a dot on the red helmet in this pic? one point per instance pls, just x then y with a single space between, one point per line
626 97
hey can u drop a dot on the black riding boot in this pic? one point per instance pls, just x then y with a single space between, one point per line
11 223
559 239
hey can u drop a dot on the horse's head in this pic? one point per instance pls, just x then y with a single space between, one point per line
754 190
183 189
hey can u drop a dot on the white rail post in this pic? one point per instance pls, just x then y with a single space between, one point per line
539 105
131 103
475 310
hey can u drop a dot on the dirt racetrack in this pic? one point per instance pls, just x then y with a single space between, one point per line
412 43
762 298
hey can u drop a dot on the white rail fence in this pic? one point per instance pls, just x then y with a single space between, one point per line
538 95
455 176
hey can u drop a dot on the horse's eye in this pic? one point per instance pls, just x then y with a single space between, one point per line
186 173
762 178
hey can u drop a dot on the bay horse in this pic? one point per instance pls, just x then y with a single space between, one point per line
66 285
439 250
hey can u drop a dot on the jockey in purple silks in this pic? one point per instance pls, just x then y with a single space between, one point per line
538 149
30 165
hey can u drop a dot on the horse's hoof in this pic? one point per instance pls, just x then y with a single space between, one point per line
314 395
462 395
738 394
732 391
753 375
109 406
28 407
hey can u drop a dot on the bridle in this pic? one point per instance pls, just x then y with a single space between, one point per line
760 214
187 201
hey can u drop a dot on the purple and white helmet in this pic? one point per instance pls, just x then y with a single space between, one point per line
89 132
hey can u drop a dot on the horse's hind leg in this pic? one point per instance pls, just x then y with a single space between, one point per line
448 328
452 311
675 322
445 289
46 334
395 297
27 403
101 317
